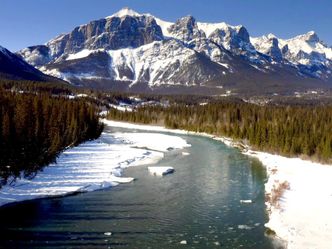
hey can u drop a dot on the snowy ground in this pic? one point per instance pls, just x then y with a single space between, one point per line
93 165
302 215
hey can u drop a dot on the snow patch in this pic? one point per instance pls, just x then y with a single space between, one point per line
246 201
122 108
82 54
244 227
183 242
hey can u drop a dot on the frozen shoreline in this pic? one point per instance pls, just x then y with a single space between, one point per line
301 215
93 165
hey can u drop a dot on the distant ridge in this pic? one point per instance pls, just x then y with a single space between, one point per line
14 68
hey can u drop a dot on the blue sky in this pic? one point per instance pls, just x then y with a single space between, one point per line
30 22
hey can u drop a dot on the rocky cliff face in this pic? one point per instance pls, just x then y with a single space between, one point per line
130 49
111 33
269 45
186 29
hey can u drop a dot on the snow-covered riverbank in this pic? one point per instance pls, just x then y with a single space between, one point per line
300 194
93 165
302 215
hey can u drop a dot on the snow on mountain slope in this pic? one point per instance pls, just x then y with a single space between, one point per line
164 25
308 43
158 63
81 54
209 28
235 39
154 63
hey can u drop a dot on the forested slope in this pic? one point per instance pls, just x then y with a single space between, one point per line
35 127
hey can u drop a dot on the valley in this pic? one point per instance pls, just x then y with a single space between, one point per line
166 130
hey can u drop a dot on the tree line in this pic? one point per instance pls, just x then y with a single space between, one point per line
36 127
290 130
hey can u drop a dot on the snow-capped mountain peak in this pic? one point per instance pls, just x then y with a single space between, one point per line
309 44
271 36
164 25
306 52
209 28
269 45
311 36
125 12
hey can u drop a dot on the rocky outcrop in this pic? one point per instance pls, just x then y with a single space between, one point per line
186 29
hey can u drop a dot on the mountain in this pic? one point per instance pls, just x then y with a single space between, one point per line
14 68
306 52
129 51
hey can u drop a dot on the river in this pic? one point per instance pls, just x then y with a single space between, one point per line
199 206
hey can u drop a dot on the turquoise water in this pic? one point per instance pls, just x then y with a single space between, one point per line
199 204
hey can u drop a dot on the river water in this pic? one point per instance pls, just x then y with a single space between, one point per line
199 205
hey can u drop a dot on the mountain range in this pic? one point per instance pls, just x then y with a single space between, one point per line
129 51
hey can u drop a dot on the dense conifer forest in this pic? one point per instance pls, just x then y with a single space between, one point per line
291 130
36 127
35 86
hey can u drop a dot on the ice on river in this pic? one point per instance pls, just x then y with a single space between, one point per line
93 165
160 171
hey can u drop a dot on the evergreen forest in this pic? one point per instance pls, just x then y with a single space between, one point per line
36 127
290 130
